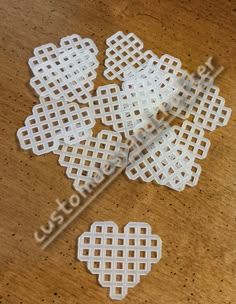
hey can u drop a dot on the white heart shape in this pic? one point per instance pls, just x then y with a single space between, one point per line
119 259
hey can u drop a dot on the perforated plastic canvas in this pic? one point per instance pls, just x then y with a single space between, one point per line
119 259
192 138
115 109
125 109
170 159
209 109
151 87
85 161
53 121
66 72
124 55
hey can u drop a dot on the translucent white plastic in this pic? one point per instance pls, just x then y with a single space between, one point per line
66 72
53 121
170 158
119 259
86 161
124 55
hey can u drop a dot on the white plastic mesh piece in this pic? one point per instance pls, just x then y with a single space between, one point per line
201 100
86 160
66 72
50 52
165 161
165 64
192 138
151 85
71 79
119 259
52 121
124 55
115 109
150 94
125 109
209 110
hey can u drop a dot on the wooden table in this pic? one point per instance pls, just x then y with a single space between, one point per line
197 226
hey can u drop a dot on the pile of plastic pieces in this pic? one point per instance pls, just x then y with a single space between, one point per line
154 91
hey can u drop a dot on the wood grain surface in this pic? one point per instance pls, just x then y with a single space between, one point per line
197 226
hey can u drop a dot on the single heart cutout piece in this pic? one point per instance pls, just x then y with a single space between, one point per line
119 259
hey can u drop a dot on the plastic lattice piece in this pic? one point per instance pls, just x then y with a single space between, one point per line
66 72
53 121
192 138
124 55
209 110
115 109
152 87
50 52
165 161
86 161
180 95
119 259
125 109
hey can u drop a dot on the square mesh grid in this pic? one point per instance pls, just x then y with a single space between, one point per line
209 111
70 79
119 259
89 160
114 108
192 138
50 52
124 54
53 121
164 161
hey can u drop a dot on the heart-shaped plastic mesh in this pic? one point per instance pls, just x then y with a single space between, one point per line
115 109
119 259
50 52
86 161
124 55
209 109
66 72
192 138
169 159
151 87
53 121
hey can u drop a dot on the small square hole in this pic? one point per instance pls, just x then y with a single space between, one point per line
107 277
110 229
119 278
130 265
154 243
108 265
142 266
108 253
85 252
130 278
86 240
132 230
109 241
120 242
143 242
131 242
98 241
120 253
97 252
153 254
119 265
142 254
143 230
99 229
131 253
96 265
